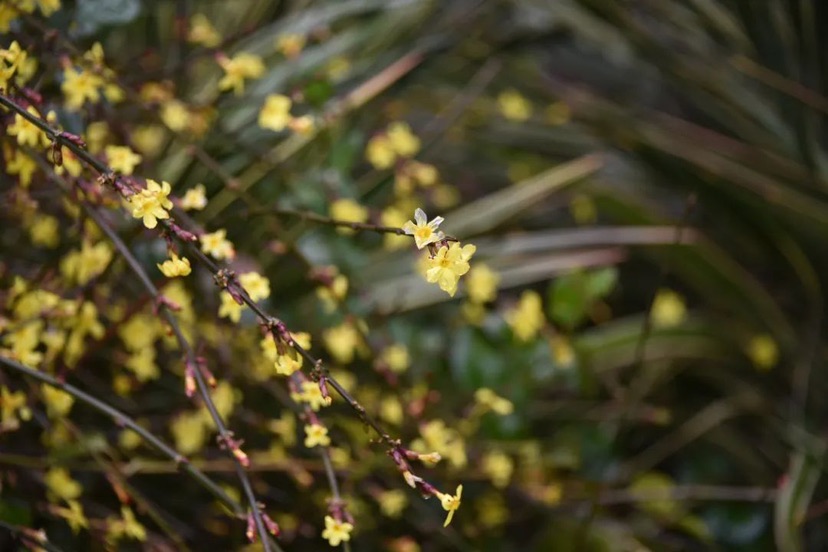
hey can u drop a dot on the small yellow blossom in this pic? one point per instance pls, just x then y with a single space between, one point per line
189 432
125 527
87 263
342 342
668 309
121 159
499 467
290 45
217 245
287 364
446 267
391 410
229 308
379 152
149 139
20 164
514 106
194 199
336 531
44 231
175 115
403 141
61 485
275 114
80 86
58 402
256 285
562 351
348 210
142 364
481 284
202 32
491 400
13 408
27 133
152 203
763 352
396 358
450 503
316 435
424 232
392 503
175 266
333 294
238 68
74 516
312 395
527 318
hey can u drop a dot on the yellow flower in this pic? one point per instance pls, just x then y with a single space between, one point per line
217 245
202 32
13 408
668 309
152 203
424 232
763 352
194 199
348 210
275 114
336 531
142 363
256 285
489 399
392 503
316 434
80 86
175 266
175 115
127 526
342 342
482 284
334 293
242 66
403 141
514 106
396 357
450 503
189 432
379 152
20 164
446 267
499 467
391 410
229 308
121 159
302 125
562 351
286 364
81 266
290 45
58 402
74 516
61 485
527 318
27 133
44 231
312 394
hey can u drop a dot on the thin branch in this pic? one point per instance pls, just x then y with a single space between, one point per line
327 221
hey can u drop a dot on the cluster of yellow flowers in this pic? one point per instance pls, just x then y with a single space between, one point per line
152 203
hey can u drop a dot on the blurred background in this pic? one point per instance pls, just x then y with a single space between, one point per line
645 183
